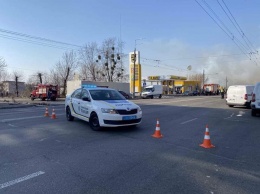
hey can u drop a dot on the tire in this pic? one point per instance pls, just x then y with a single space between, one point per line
160 96
68 114
151 97
253 112
231 105
40 97
32 98
94 122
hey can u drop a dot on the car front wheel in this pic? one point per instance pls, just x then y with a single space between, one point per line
68 114
94 122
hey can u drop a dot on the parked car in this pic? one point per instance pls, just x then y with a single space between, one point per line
102 107
187 93
127 96
255 104
195 93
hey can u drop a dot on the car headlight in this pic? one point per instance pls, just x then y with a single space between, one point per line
108 110
139 110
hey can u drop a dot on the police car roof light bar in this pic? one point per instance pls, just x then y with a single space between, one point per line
88 86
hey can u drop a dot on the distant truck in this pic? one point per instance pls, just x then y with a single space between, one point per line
152 91
41 91
211 89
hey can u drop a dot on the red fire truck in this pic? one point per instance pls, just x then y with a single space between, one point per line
43 92
211 89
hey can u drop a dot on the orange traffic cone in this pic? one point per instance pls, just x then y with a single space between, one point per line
53 115
206 143
157 133
46 112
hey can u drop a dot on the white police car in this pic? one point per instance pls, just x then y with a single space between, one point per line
102 107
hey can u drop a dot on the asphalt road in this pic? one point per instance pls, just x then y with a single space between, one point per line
44 155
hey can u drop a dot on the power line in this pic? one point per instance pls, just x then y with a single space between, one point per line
242 33
232 38
187 58
38 38
33 42
236 26
223 24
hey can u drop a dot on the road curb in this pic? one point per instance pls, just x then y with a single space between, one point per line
21 105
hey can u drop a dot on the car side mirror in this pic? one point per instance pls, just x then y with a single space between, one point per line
86 99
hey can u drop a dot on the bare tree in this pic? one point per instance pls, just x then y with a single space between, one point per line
53 77
2 64
39 75
38 78
17 77
4 75
110 59
198 77
2 68
89 68
65 68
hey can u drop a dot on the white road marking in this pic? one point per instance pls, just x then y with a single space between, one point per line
43 139
10 183
169 102
189 121
229 116
24 118
12 125
240 113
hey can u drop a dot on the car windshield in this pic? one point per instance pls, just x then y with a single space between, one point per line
148 89
106 95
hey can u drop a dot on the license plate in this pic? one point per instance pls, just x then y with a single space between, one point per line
129 117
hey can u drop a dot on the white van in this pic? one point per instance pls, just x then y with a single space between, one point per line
255 104
152 91
239 95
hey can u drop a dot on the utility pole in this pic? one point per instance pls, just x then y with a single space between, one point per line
226 82
16 85
203 79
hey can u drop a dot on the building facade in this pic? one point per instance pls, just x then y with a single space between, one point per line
8 88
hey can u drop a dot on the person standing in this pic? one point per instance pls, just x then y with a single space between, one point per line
49 94
222 92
